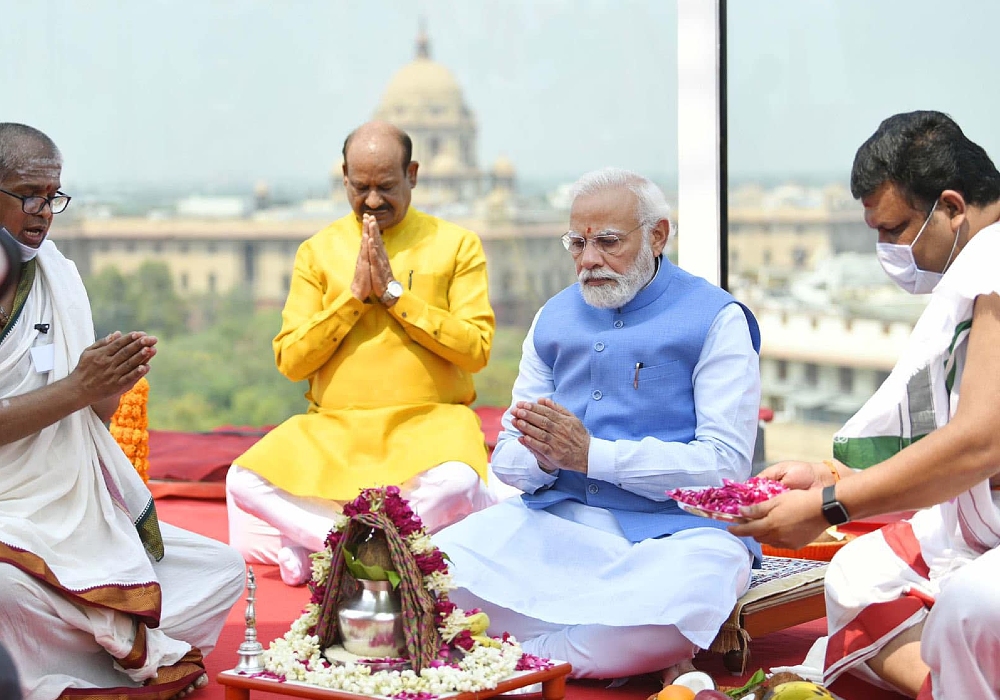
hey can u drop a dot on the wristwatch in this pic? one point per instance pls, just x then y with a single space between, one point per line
393 291
833 510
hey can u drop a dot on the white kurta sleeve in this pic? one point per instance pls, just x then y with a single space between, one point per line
512 462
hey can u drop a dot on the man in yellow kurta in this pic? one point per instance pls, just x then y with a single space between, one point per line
388 316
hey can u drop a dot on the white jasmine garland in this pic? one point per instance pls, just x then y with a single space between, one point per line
321 564
439 583
297 655
420 543
453 624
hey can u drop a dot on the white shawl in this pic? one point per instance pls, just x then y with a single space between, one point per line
56 501
920 395
922 392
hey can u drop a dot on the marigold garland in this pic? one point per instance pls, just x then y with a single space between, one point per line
130 426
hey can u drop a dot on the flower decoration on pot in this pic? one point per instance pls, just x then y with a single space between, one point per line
379 543
386 511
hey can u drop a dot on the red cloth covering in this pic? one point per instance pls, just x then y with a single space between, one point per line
205 457
490 417
181 456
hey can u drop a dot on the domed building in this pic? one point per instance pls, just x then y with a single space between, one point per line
503 173
425 100
213 245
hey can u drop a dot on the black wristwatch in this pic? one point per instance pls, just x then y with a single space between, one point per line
833 510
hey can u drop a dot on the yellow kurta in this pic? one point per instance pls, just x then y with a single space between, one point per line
389 389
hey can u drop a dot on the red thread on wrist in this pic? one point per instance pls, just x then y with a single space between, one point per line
833 469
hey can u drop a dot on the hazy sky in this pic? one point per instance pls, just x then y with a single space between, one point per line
226 92
810 80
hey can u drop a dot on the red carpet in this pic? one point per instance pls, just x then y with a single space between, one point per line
277 605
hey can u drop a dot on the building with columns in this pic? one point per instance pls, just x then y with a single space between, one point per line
827 343
213 245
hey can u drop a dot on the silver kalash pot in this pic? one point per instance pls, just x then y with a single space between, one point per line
371 622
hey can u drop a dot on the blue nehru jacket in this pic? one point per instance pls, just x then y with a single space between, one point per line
594 353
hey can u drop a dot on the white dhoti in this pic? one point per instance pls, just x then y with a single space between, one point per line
937 569
93 592
268 525
569 585
961 639
925 570
54 641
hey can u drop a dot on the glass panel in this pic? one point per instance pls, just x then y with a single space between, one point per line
215 129
808 82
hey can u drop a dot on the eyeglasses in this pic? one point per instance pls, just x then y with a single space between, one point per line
607 242
34 204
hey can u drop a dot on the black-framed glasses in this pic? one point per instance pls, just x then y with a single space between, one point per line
607 242
34 204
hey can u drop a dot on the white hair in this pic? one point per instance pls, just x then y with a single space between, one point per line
651 203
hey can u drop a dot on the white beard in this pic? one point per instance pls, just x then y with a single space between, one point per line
624 286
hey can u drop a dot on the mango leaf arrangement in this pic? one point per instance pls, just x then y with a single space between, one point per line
448 650
373 572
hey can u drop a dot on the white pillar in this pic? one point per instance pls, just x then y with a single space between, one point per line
699 148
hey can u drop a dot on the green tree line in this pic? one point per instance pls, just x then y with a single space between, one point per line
214 364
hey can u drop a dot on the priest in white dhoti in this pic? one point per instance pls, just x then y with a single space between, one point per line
915 606
97 599
639 379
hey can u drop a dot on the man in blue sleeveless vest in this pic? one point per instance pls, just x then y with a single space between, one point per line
636 380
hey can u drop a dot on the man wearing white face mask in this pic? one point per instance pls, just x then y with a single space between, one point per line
915 607
900 264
